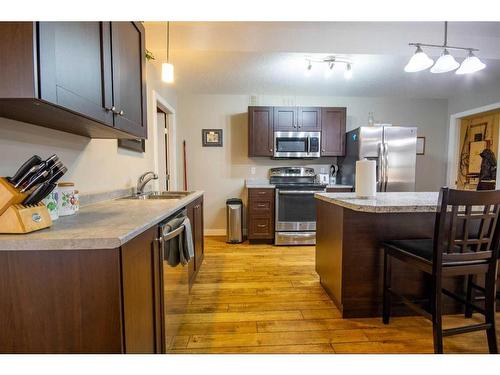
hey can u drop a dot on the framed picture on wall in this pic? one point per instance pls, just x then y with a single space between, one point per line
212 137
420 145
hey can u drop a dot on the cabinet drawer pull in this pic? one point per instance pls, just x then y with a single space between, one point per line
261 205
262 192
261 225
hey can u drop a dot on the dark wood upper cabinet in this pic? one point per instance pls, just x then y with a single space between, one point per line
309 119
333 121
77 77
75 69
285 119
129 77
260 131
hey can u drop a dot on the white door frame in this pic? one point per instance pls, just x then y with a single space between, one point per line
454 139
159 102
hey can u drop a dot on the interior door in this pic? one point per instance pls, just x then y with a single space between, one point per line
75 67
400 158
129 77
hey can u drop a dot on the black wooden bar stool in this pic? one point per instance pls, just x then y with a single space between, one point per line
466 242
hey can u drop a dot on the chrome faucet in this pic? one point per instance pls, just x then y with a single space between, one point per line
143 180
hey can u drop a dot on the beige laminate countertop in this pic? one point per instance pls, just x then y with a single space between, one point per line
105 225
385 202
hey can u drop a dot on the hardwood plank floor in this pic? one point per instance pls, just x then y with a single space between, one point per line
266 299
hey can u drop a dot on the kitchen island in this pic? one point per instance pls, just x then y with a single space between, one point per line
349 259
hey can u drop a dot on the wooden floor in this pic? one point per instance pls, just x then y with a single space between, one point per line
266 299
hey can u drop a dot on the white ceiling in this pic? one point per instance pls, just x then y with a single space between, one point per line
269 57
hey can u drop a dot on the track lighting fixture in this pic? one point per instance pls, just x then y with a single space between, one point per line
330 61
446 62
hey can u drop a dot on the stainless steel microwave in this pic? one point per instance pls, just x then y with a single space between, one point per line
297 144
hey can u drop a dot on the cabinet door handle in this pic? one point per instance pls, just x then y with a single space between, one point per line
112 109
121 113
270 150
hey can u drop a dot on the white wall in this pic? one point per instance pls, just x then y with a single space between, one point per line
94 165
221 171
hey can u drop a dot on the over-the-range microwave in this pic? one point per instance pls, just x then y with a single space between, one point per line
297 144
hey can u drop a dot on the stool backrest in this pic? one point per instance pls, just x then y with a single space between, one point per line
466 230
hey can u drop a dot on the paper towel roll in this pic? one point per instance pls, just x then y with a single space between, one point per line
366 178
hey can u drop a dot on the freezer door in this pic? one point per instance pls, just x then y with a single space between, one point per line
399 154
369 140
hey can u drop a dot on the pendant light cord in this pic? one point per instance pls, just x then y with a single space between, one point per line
445 33
168 40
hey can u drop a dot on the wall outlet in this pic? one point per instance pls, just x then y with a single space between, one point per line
252 170
322 170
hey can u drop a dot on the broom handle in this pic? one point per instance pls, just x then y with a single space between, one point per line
185 166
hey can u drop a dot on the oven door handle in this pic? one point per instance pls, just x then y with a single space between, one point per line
308 145
300 191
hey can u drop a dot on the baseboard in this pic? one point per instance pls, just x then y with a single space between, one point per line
215 232
219 232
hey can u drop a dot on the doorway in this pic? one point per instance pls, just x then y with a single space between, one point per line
162 121
164 124
473 149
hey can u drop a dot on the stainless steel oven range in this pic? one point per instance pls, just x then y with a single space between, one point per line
295 205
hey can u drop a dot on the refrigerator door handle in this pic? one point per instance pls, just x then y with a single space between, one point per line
381 168
386 162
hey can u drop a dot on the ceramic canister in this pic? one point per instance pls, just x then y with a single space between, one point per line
51 201
66 205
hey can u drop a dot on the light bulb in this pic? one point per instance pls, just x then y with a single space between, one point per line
308 71
167 72
329 71
445 63
419 61
471 64
348 71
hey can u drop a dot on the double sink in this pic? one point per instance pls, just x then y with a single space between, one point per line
160 195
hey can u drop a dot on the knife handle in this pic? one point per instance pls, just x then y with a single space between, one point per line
28 164
39 193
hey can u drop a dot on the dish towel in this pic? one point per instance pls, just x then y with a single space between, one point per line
187 250
173 247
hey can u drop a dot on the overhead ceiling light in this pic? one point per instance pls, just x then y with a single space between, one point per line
167 69
445 63
308 71
471 64
419 61
348 71
329 71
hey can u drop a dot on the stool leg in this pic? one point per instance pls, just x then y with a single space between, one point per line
469 296
437 325
490 307
387 284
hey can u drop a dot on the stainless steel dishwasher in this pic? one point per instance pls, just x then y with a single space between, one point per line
175 281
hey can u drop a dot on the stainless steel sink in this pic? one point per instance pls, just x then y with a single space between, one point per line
161 195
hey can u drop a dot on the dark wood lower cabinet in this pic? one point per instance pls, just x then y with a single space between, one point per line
92 301
260 208
195 214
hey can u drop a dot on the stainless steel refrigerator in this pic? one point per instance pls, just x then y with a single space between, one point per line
394 148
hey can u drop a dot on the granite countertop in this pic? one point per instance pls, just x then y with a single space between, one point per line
105 225
264 184
258 184
385 202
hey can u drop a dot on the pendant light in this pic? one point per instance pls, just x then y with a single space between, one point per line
419 61
167 69
471 64
445 63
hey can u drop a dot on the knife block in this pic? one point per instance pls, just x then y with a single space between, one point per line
17 218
